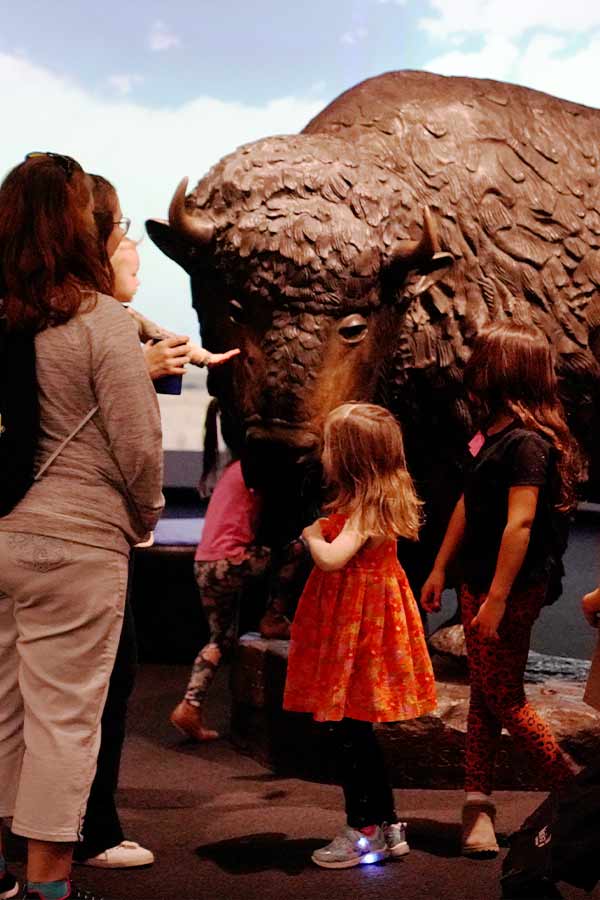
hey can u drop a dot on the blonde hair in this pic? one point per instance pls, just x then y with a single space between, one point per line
364 464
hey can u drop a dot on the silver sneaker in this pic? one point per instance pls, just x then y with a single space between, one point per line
351 848
395 839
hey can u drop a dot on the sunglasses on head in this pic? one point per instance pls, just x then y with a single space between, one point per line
67 163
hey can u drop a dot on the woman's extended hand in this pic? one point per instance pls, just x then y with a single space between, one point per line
167 357
487 620
431 592
591 607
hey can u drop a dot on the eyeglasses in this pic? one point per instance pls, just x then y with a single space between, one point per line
123 224
67 163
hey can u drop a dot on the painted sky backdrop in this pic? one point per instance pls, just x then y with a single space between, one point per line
145 93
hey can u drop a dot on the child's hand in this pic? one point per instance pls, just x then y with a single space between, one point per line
201 357
488 619
591 607
431 592
313 531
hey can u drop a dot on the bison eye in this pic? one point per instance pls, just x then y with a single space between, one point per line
237 313
353 328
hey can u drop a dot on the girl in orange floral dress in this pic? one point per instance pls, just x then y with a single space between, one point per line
358 652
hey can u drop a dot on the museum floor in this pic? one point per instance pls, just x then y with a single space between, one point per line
224 827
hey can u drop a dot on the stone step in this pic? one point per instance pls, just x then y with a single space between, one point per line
423 753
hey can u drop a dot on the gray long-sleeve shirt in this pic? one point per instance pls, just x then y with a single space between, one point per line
105 487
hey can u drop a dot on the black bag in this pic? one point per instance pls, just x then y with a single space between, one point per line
19 416
560 841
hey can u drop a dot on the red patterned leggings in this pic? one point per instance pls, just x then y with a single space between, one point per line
498 698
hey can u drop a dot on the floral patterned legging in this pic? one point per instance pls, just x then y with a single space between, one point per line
498 698
220 583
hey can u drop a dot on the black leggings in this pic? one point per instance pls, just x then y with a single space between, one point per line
101 826
362 772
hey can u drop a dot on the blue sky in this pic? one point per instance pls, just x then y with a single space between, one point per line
145 93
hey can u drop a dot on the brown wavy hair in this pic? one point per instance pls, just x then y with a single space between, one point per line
365 467
49 260
105 201
511 372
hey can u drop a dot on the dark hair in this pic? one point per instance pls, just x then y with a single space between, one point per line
49 257
511 372
105 202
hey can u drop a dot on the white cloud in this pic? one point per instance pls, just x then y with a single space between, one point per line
124 84
510 18
161 37
546 62
354 35
494 60
144 151
549 45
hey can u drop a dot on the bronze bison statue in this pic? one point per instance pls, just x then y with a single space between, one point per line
359 259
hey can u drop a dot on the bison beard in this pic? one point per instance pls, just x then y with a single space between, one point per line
360 258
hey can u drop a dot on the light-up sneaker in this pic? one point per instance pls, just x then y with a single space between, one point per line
395 839
351 848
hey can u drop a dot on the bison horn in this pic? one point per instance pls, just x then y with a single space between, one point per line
425 248
196 229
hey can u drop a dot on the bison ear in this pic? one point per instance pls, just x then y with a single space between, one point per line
171 243
184 236
416 265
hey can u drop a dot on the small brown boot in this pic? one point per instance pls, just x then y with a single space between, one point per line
478 834
188 720
274 625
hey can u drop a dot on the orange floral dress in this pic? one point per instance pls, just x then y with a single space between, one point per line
358 648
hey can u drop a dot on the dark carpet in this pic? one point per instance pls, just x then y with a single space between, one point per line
222 826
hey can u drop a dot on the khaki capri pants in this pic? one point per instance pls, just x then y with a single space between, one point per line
61 612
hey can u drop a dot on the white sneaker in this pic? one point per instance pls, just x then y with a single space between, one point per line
395 839
125 855
351 848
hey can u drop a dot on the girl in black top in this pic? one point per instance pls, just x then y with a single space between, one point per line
507 527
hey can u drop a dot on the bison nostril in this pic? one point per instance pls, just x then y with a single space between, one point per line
237 313
353 329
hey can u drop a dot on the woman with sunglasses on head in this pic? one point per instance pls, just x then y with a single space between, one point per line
166 353
64 547
103 842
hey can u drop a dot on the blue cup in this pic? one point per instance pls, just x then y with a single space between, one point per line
168 384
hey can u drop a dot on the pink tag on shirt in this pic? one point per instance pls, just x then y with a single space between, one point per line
476 443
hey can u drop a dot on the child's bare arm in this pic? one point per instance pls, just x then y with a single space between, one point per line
330 557
591 607
432 589
199 356
147 329
522 504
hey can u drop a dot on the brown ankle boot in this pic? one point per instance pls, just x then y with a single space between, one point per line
478 834
188 720
274 625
